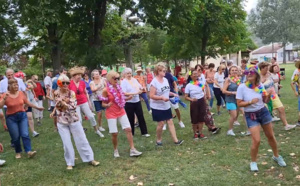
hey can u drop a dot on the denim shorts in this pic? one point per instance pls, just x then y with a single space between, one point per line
260 117
231 106
98 106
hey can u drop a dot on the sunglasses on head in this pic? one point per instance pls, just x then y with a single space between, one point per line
66 83
117 78
251 72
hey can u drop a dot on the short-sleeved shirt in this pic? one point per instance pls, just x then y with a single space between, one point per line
48 82
181 80
132 86
101 84
88 88
80 92
16 104
247 94
177 70
4 85
220 79
194 91
149 77
170 79
162 89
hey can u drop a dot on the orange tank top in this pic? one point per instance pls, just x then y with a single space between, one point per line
114 111
16 104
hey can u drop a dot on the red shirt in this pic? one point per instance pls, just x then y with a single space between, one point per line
80 92
149 77
38 90
177 70
181 80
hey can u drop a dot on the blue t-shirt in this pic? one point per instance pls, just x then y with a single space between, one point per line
54 83
88 88
170 79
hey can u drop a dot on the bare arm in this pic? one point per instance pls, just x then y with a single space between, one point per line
293 87
175 86
225 87
105 95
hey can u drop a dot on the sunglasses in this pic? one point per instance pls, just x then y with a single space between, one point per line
66 83
118 78
251 72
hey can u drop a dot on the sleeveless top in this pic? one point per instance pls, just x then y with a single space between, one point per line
269 86
114 111
232 88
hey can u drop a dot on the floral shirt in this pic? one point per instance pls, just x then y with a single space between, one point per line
69 115
98 93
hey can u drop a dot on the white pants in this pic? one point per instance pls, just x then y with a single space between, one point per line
83 147
85 108
38 114
112 123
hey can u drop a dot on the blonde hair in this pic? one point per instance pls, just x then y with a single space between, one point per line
11 82
221 67
63 77
111 74
159 66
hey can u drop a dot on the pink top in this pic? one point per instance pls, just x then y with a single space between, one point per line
80 92
114 111
149 77
209 76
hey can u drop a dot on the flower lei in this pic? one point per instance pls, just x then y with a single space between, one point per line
273 96
119 101
259 89
236 80
197 83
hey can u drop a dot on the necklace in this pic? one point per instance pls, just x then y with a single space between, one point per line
197 83
259 89
236 80
120 100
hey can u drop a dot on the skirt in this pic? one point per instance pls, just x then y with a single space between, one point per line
198 111
161 115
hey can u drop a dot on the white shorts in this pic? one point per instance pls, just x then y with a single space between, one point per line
112 123
174 106
1 111
148 87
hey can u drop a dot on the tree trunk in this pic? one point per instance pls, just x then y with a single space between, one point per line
128 56
284 52
55 46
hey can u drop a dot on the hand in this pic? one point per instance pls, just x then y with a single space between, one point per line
165 99
90 106
109 104
40 108
44 97
52 115
280 86
36 99
254 100
67 100
296 94
175 95
1 147
208 97
194 100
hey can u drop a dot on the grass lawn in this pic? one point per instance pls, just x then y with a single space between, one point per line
218 160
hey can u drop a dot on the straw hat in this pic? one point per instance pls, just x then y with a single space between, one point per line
139 69
254 61
77 70
297 63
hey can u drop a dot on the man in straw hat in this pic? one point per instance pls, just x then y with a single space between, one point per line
295 85
83 102
141 79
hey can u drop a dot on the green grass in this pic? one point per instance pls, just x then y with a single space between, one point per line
219 160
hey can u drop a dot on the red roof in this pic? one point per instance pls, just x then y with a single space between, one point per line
268 49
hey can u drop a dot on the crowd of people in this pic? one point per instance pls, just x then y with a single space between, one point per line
250 89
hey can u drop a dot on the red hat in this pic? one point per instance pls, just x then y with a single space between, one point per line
19 74
104 72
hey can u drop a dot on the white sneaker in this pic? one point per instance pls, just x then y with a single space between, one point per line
35 134
116 154
150 112
101 129
2 162
181 124
165 127
230 133
248 133
146 135
134 152
100 134
289 127
275 118
236 123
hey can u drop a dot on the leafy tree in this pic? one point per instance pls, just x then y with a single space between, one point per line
276 21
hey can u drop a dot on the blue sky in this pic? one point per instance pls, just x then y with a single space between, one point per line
250 4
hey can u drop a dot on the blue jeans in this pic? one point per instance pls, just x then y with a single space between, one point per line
145 98
211 101
17 125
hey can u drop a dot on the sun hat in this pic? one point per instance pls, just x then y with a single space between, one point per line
104 72
139 69
254 61
77 70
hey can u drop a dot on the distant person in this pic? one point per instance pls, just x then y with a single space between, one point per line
177 70
295 86
40 96
209 76
219 79
149 77
141 79
48 85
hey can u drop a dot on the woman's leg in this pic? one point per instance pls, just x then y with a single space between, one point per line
40 103
99 118
233 117
30 121
211 101
64 132
2 119
282 115
123 120
217 93
83 147
130 109
268 130
140 115
159 130
145 98
89 114
172 130
129 137
114 138
13 128
255 136
23 131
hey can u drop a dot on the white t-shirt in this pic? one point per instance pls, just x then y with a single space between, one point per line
220 79
296 71
275 77
48 82
194 90
132 86
202 78
162 89
247 94
4 85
